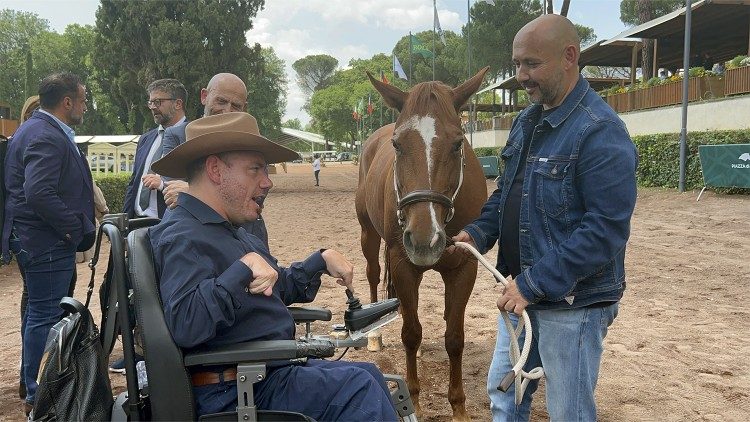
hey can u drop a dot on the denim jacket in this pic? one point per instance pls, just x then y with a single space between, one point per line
579 191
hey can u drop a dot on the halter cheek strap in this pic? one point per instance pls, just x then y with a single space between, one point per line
426 195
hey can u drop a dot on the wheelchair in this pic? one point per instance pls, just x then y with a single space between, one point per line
131 280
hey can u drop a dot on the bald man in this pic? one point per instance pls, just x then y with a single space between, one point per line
225 92
561 216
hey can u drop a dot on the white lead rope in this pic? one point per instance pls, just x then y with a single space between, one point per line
518 356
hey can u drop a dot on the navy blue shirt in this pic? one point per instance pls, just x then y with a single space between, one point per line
203 283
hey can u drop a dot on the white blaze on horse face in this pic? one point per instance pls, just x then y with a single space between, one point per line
425 126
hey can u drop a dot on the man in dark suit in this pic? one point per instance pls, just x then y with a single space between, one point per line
224 93
143 196
49 212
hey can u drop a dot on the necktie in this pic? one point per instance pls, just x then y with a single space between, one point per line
145 196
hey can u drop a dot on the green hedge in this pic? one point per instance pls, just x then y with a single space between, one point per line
487 151
113 187
659 158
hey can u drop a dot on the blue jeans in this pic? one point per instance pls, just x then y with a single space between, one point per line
568 345
50 276
321 389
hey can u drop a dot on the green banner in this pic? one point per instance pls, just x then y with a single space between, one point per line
725 165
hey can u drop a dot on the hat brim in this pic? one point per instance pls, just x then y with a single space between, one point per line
176 162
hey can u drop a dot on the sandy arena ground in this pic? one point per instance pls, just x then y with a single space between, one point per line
677 352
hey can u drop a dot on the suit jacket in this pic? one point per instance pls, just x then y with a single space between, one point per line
49 189
173 136
145 142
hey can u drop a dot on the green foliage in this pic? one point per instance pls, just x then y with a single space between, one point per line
292 124
314 71
487 151
331 107
450 59
138 41
113 187
737 62
656 8
586 34
267 85
493 29
659 157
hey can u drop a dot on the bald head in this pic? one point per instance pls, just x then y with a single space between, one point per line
546 52
553 32
225 92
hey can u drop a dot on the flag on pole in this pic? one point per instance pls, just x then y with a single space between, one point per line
419 48
438 29
355 115
370 108
384 78
361 108
398 70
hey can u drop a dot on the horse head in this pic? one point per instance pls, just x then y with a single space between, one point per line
428 167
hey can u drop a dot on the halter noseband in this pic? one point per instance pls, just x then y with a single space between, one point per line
426 195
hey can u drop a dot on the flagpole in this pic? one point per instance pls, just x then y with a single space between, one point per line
411 77
434 29
468 62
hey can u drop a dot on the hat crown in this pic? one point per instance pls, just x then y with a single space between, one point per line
238 122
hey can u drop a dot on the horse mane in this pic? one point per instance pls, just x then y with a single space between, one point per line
428 96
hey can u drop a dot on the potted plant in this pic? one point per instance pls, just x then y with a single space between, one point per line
738 75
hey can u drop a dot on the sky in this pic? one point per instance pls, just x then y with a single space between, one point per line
344 29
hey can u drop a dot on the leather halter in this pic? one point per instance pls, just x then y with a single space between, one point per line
426 195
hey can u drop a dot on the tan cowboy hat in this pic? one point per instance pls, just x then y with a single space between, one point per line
216 134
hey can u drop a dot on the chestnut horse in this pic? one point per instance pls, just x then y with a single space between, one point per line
419 184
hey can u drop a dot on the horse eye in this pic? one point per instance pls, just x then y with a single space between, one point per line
396 146
457 145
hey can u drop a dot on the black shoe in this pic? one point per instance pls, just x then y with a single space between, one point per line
27 408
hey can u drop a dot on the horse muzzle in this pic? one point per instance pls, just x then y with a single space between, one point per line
423 251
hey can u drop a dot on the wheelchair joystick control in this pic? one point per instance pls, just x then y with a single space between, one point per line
364 318
352 300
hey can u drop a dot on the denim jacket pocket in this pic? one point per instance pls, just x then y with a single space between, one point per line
551 194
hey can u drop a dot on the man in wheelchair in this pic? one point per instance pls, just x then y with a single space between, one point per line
220 285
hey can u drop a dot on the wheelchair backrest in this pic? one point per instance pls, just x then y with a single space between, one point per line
170 389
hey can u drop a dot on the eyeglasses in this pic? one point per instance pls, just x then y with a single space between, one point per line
156 102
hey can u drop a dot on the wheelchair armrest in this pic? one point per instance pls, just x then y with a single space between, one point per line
303 315
260 351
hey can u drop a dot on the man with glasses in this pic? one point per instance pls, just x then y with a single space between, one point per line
144 197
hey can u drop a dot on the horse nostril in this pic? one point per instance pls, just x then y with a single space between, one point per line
407 240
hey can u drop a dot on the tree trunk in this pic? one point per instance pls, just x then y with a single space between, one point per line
643 8
549 10
565 7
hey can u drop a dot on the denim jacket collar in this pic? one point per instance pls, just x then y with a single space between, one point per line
566 108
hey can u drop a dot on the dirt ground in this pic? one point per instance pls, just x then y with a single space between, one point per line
678 350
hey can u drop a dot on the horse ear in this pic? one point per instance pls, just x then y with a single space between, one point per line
392 96
462 92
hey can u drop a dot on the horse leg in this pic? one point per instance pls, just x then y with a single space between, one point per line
406 280
458 285
370 241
